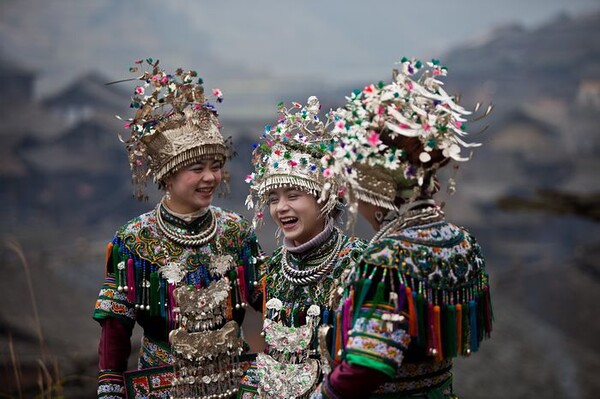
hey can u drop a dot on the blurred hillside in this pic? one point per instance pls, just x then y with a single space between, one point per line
529 195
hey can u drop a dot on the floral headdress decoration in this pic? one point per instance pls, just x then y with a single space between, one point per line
413 105
173 127
289 155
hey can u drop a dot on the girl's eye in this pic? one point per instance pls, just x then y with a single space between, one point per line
272 201
196 167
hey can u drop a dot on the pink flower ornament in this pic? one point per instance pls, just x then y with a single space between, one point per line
373 138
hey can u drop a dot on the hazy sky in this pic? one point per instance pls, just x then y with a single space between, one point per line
327 41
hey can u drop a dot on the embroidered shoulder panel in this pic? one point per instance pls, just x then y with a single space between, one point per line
442 255
143 238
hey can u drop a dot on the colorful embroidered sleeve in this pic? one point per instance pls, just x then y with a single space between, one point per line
115 312
114 299
378 334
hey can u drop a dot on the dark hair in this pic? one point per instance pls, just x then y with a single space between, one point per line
413 147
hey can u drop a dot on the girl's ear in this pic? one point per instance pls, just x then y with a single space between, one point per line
168 183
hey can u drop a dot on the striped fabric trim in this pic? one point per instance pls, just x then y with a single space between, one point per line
110 385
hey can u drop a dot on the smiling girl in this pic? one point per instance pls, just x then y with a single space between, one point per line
183 271
296 213
301 279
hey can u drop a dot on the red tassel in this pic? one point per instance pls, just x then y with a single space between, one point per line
439 356
338 336
488 311
431 331
412 314
459 328
242 282
130 281
346 311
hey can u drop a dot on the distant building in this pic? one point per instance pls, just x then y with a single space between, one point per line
22 118
60 154
88 97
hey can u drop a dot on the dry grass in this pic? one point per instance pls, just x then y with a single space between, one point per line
15 365
49 381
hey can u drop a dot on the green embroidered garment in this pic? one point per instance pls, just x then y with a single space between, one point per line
136 288
419 297
290 327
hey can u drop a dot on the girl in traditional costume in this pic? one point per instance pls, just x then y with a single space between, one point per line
301 278
183 271
419 296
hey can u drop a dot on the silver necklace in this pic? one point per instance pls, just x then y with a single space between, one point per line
194 240
314 274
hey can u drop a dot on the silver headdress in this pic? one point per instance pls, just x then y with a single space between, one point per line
414 106
173 127
289 155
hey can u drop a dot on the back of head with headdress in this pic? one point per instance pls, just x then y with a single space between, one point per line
390 139
289 155
174 125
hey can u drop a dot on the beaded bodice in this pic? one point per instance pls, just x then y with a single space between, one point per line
297 298
143 238
187 293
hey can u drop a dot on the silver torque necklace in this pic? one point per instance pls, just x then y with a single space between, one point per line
194 240
314 274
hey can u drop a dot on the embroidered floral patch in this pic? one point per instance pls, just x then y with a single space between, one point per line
370 337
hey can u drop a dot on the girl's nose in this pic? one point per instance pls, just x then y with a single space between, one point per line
282 204
208 176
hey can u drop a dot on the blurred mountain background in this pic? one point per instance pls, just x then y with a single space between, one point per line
531 193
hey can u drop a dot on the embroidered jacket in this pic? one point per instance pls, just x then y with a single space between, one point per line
418 298
135 290
296 301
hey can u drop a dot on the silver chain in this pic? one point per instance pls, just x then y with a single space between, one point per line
194 240
314 274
